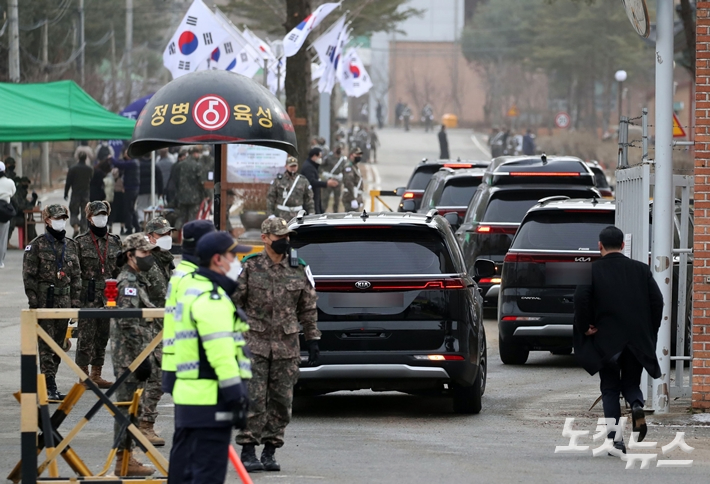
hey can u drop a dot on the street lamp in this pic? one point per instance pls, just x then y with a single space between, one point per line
620 77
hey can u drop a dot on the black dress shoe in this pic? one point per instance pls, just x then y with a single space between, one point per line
639 420
618 446
268 458
251 463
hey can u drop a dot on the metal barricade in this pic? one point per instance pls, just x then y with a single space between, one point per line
375 196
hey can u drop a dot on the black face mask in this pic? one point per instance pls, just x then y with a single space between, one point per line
357 159
145 263
280 246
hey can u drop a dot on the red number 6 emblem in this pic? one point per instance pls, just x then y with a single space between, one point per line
210 112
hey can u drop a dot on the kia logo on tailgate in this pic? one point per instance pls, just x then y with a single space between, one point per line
363 285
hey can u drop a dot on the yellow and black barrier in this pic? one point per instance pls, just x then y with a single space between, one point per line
32 387
376 195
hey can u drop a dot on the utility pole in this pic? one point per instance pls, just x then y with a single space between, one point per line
129 48
82 46
14 68
661 255
113 68
44 172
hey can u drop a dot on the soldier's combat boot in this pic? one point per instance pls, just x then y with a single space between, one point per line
149 432
251 463
135 468
52 392
96 377
268 458
85 369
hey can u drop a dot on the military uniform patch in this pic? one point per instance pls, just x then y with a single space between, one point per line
131 291
28 248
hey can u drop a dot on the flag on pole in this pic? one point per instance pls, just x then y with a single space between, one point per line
353 75
234 54
261 46
329 47
194 41
297 36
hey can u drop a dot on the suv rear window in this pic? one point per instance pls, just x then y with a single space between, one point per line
562 230
420 179
459 192
352 250
512 206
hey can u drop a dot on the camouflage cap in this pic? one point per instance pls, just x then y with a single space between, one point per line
290 161
276 226
55 210
356 151
158 225
138 241
97 207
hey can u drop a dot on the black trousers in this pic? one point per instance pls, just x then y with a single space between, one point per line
199 456
620 377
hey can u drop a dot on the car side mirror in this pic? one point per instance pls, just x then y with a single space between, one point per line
409 206
453 219
399 191
484 268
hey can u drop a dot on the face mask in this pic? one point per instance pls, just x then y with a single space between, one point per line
318 161
235 268
99 221
58 225
145 263
206 152
165 242
357 159
280 246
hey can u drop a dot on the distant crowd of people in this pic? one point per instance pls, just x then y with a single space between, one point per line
125 182
504 141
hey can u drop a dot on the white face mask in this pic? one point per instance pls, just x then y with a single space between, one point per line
58 225
165 242
318 161
235 268
206 152
99 221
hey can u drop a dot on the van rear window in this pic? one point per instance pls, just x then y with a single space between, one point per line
561 230
352 251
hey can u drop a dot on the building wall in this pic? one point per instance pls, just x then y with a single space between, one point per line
701 270
434 72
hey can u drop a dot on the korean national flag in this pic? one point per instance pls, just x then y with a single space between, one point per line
353 76
297 36
194 41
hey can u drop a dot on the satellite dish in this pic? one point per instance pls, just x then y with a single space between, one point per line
637 12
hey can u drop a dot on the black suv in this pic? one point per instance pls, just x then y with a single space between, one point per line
422 174
450 191
511 185
396 307
551 254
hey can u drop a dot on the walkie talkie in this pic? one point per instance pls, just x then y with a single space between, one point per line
293 257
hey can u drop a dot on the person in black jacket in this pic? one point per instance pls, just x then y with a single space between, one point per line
443 144
619 314
310 171
78 181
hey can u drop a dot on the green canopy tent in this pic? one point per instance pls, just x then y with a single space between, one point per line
56 111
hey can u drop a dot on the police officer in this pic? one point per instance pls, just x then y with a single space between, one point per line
352 182
210 394
52 278
289 193
191 234
98 250
159 233
129 336
277 294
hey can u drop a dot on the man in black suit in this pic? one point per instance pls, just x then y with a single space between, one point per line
619 314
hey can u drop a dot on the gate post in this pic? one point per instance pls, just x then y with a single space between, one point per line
28 394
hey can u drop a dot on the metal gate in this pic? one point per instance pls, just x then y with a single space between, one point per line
633 208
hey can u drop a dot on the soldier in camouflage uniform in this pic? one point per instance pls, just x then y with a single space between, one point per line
129 336
52 277
333 166
98 251
289 193
159 232
190 188
353 182
277 297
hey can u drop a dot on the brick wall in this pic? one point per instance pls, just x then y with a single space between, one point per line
701 302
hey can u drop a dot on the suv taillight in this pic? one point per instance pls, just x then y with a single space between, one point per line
343 286
495 229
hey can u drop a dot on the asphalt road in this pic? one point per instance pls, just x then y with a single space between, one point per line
366 437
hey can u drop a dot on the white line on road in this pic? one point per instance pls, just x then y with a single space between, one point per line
484 150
